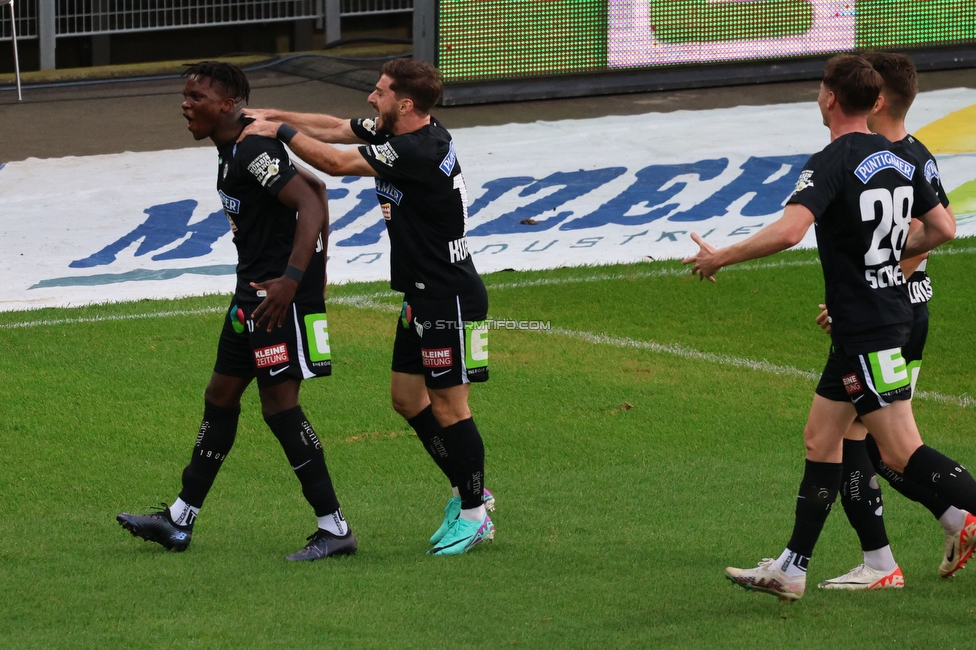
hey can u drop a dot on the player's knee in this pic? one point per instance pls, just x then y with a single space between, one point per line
448 413
405 406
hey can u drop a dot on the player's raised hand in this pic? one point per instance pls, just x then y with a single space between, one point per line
823 320
260 127
705 264
278 295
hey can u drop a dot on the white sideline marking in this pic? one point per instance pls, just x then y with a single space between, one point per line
687 353
728 360
370 301
103 319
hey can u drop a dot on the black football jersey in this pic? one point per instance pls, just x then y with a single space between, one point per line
249 176
919 284
864 191
424 202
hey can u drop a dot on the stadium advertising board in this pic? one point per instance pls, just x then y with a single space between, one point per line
481 40
79 230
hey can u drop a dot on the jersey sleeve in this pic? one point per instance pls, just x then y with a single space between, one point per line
364 128
926 196
402 157
934 179
819 183
266 160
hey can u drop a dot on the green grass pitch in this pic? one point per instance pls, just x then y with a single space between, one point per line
635 451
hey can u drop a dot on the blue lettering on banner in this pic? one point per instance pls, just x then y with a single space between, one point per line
495 189
672 235
883 160
931 171
571 185
367 237
167 223
760 189
767 196
367 202
645 200
230 204
387 190
447 165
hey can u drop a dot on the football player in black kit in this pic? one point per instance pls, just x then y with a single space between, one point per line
275 330
441 339
860 492
862 192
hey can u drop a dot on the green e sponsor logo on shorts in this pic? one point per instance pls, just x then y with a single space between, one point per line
476 344
889 370
317 332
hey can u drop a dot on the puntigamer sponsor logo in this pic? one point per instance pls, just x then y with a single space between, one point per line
883 160
447 165
436 357
271 356
231 205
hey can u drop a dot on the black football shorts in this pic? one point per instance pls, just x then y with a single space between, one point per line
870 373
299 349
443 339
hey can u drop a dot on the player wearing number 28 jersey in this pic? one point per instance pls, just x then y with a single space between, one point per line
861 192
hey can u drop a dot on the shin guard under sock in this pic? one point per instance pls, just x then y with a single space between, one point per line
904 486
467 453
304 452
861 497
214 441
432 437
948 479
818 490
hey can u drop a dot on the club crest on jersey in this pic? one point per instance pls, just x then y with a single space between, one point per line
384 153
387 210
447 165
932 171
881 160
265 168
231 205
804 181
388 191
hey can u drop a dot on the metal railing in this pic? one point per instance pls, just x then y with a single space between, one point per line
26 21
90 17
49 19
335 10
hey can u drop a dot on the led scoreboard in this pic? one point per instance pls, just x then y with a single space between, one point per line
491 40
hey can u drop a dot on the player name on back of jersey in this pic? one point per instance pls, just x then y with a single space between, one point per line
458 250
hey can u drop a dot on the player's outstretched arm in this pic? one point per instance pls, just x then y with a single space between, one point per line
323 157
937 227
322 127
281 291
785 232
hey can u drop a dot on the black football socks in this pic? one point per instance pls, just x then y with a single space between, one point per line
861 496
304 452
818 491
432 437
214 441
